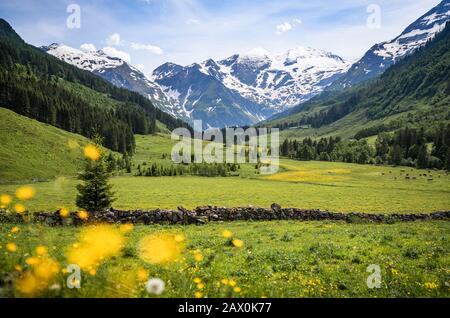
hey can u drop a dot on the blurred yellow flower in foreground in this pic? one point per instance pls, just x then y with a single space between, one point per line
198 294
179 238
25 193
64 212
160 249
92 152
97 243
5 199
19 208
11 247
41 250
198 256
431 285
227 234
143 274
197 280
83 215
238 243
237 289
43 271
15 229
127 227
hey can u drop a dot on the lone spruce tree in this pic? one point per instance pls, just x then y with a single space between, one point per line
94 193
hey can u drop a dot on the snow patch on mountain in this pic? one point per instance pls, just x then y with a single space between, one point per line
381 56
119 73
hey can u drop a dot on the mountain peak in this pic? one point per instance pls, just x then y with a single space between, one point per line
383 55
90 61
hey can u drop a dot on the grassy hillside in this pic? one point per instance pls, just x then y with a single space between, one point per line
415 91
32 150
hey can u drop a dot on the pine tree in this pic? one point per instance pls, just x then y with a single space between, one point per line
422 157
447 160
95 192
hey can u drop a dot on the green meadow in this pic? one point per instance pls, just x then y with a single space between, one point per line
277 259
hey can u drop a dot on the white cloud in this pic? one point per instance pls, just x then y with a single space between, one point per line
117 53
193 22
148 47
283 27
298 21
88 47
113 39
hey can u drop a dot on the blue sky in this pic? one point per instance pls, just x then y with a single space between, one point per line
151 32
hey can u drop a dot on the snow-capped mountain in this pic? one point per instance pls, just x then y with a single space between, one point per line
244 89
116 71
383 55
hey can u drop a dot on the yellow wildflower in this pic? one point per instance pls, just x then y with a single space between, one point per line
159 249
431 285
5 199
41 250
238 243
198 256
143 274
92 152
179 238
11 247
25 193
32 260
227 234
19 208
97 243
127 227
198 294
15 229
64 212
83 215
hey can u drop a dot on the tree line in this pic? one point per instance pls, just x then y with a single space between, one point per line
194 169
412 147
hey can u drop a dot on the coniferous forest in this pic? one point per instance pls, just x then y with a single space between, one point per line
405 147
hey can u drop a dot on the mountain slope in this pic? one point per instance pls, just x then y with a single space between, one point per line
115 71
415 90
244 89
381 56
